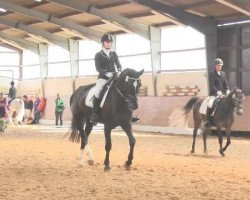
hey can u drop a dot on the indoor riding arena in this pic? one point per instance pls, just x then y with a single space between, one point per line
167 49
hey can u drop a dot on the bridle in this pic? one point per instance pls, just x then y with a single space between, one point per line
237 101
126 97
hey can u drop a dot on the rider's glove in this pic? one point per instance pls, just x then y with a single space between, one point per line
118 73
227 92
109 74
219 93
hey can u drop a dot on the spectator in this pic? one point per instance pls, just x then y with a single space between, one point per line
3 105
36 104
40 109
59 108
28 105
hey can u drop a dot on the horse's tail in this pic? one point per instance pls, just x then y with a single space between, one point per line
188 107
75 134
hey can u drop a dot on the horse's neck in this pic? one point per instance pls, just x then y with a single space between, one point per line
117 102
227 104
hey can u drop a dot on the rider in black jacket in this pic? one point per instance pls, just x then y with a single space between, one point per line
106 63
218 85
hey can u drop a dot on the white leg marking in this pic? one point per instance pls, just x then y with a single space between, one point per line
82 157
89 155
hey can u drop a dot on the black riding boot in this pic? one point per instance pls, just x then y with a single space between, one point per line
96 104
208 114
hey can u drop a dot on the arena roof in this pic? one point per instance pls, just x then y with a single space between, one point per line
26 23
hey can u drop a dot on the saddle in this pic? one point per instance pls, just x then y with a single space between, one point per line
103 95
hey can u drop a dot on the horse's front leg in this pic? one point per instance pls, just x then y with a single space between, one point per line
228 131
219 132
128 130
108 146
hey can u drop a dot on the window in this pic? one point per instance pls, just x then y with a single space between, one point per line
30 58
31 71
61 69
88 49
182 48
87 68
125 44
57 54
137 62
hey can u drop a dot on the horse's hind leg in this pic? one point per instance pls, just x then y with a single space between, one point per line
196 126
204 135
108 146
228 131
88 129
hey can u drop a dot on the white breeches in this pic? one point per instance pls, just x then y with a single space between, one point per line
99 86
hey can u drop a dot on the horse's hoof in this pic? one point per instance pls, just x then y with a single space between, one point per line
222 153
91 162
192 151
127 167
107 168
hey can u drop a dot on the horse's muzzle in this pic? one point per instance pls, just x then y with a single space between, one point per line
132 105
239 112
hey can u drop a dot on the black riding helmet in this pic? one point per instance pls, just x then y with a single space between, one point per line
12 83
106 38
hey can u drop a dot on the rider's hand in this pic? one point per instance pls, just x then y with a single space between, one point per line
109 74
119 73
227 92
219 93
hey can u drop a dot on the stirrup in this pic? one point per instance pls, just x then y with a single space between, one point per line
93 119
135 119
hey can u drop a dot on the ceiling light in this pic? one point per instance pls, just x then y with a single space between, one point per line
2 10
39 0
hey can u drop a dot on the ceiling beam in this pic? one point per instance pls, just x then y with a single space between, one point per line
136 27
21 42
87 32
10 46
56 39
235 7
195 21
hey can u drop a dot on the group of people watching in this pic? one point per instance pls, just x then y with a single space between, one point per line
37 107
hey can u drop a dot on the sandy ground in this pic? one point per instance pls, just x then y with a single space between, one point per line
36 162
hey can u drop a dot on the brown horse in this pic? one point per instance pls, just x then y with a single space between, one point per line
223 116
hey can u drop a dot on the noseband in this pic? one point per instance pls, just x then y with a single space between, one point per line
124 96
238 100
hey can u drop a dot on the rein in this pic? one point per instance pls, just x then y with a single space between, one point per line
125 97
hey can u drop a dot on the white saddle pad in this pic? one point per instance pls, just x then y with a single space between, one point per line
207 103
89 98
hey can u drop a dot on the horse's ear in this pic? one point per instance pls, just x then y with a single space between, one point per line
140 72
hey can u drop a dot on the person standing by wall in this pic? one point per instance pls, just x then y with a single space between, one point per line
36 104
28 105
3 105
59 108
40 109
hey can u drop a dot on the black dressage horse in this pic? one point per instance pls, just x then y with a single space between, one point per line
116 111
223 116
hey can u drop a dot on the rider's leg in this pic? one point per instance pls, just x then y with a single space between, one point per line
208 114
96 100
